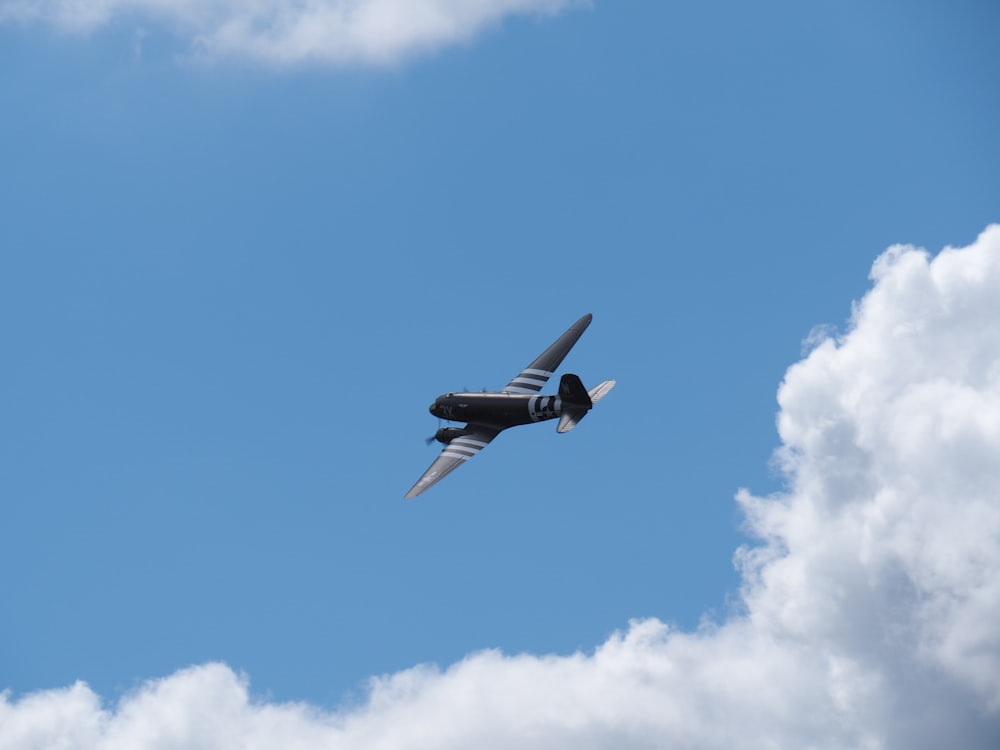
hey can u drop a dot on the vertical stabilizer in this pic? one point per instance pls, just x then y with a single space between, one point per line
575 402
571 391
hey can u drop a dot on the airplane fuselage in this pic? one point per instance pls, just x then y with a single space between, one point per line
497 409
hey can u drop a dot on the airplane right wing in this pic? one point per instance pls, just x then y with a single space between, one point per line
455 453
531 379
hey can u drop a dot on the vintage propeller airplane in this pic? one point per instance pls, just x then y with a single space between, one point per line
488 413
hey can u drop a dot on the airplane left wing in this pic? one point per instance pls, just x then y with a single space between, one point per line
455 453
531 379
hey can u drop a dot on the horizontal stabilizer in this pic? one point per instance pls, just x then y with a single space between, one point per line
571 415
577 400
601 390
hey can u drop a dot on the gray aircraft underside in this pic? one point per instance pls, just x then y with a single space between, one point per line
520 402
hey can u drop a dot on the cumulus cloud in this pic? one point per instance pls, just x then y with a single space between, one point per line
293 31
870 600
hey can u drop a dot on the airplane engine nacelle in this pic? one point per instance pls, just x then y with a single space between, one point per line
447 434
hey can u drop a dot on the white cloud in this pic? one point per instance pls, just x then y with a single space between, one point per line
293 31
871 611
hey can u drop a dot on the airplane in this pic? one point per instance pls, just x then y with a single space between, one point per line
488 413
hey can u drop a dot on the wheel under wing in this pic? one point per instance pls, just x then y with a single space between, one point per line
455 453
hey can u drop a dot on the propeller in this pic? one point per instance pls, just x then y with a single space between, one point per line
433 437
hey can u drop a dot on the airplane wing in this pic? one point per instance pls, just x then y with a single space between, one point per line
455 453
531 379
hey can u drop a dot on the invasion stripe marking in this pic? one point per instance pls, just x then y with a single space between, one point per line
533 371
529 381
478 444
456 455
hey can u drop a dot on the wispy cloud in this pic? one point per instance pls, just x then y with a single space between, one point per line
871 600
293 31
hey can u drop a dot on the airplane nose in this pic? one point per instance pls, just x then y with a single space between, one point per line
433 409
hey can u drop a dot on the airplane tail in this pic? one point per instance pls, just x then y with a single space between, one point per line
577 400
600 390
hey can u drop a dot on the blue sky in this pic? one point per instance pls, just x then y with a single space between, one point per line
230 286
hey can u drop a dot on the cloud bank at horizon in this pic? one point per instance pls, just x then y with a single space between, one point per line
283 32
870 604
